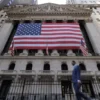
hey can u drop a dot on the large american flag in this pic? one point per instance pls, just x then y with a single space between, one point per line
53 35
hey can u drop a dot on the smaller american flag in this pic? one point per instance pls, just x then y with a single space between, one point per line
83 48
12 48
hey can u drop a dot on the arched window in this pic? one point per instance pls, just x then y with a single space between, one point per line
11 66
82 67
64 66
98 66
46 66
29 66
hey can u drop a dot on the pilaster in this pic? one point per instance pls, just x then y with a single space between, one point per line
4 34
94 36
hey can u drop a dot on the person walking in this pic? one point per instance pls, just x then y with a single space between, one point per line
76 79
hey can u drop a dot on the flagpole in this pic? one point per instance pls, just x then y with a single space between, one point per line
47 50
78 51
12 48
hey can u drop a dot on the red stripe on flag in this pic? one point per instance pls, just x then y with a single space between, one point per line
44 47
58 42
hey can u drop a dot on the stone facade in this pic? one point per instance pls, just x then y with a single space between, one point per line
54 60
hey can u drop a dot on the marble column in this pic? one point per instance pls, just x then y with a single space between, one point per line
70 53
39 53
5 32
96 17
54 53
94 36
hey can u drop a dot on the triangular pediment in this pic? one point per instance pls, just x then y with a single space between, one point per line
49 11
48 8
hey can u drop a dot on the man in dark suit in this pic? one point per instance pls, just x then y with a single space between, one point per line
76 79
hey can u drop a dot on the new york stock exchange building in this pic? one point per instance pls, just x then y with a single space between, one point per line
38 44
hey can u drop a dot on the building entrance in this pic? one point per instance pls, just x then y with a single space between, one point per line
42 90
88 88
66 87
4 89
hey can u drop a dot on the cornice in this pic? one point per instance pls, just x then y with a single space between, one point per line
46 17
50 57
57 5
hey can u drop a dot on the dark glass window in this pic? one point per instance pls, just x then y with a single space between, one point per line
98 66
11 66
29 66
64 66
46 66
82 67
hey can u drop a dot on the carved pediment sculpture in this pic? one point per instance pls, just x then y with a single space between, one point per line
48 11
48 8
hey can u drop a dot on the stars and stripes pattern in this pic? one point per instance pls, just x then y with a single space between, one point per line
83 48
53 35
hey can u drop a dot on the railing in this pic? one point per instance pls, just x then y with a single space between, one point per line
42 97
86 73
97 73
27 72
8 72
64 72
46 72
31 90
